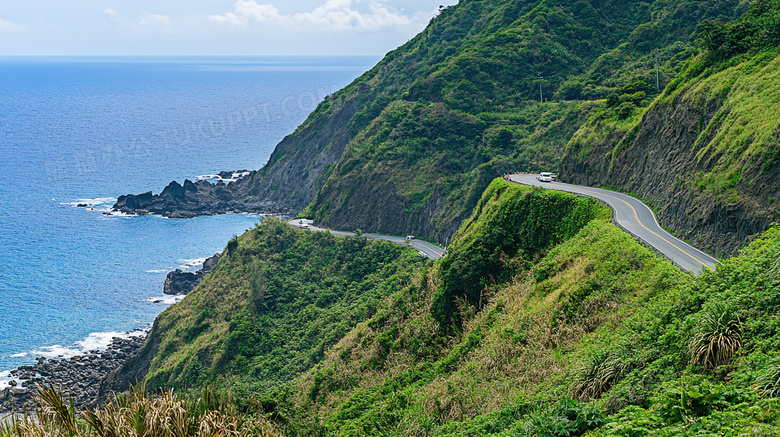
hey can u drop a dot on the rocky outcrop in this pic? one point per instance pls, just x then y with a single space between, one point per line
178 282
79 378
286 184
193 199
377 207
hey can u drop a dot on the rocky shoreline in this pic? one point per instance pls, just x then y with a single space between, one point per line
200 198
81 377
178 282
78 378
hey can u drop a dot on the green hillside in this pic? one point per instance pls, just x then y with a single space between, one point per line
706 151
276 301
439 117
591 333
544 318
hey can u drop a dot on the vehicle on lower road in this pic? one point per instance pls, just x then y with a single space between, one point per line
545 177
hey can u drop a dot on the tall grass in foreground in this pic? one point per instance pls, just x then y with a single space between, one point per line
137 414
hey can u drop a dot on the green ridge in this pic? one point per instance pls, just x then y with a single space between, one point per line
277 300
439 117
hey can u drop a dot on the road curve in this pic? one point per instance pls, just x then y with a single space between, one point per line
637 219
431 251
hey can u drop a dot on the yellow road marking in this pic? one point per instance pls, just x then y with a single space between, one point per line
636 215
648 230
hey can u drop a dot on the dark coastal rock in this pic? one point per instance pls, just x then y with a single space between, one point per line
131 370
193 199
79 378
82 205
179 282
210 263
231 174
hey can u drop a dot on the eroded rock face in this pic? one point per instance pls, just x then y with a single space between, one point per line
659 164
179 282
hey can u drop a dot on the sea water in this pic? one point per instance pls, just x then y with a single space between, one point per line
82 131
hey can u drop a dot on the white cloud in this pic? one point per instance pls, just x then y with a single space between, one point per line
10 27
246 11
257 12
335 15
162 23
115 18
148 22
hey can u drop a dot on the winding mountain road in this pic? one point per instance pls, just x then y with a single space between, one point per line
430 251
637 219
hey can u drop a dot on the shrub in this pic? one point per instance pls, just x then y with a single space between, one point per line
569 419
717 339
602 370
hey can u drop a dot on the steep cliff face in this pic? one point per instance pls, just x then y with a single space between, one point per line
704 154
296 169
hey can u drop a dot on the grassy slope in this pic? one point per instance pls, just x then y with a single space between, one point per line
478 65
742 136
277 300
596 335
401 374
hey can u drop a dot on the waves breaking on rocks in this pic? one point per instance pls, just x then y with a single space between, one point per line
78 376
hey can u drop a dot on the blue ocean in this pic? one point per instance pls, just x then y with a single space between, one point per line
82 131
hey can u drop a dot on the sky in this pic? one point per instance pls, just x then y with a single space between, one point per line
211 27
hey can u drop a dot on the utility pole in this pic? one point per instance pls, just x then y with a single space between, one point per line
541 100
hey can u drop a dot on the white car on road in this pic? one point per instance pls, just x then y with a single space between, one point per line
545 177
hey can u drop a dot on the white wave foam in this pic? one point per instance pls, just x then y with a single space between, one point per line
166 300
93 203
192 262
102 205
20 355
110 213
157 271
215 177
98 341
5 378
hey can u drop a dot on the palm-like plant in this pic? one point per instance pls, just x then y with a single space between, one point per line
137 414
718 337
768 381
600 371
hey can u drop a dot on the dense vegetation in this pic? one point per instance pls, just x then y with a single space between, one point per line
507 224
278 299
441 116
401 374
715 129
592 335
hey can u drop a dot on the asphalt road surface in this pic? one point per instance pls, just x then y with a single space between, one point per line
637 219
425 248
